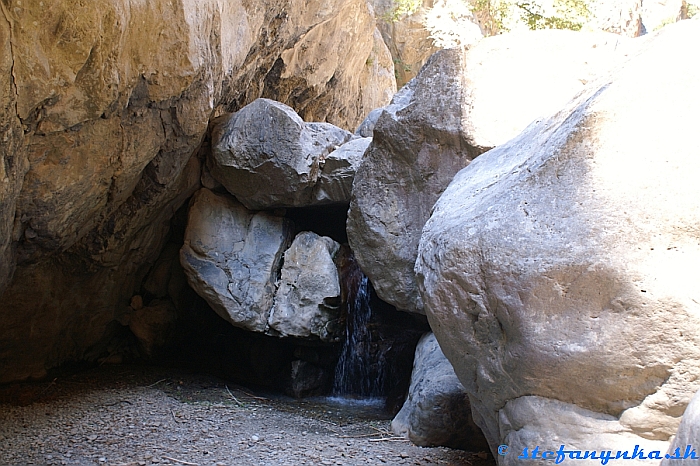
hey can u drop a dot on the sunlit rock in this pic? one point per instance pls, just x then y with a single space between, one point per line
462 103
267 156
563 264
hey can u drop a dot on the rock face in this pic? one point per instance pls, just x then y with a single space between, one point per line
688 433
153 326
425 136
13 160
103 107
338 172
436 411
307 302
558 269
339 70
232 258
406 37
267 157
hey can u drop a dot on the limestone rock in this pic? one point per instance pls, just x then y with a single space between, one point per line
104 106
562 264
659 13
366 128
406 37
338 71
266 155
232 257
13 159
688 434
461 104
622 17
531 421
338 172
307 302
436 411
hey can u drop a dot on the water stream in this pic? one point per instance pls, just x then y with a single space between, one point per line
361 369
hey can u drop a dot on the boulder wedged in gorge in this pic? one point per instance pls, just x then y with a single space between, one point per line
307 301
436 411
559 269
267 157
250 271
462 103
232 257
104 107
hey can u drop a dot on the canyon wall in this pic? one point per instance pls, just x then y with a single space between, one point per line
104 109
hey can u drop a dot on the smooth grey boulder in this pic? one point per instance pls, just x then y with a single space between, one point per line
307 302
563 264
232 257
437 411
267 156
415 151
461 104
688 434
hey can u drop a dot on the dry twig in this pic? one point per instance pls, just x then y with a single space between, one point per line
234 398
180 461
156 383
389 439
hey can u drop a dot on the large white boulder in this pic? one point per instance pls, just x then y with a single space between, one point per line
462 103
560 269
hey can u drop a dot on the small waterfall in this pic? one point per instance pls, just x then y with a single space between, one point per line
360 370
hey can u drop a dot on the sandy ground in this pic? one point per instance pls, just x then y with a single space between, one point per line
136 415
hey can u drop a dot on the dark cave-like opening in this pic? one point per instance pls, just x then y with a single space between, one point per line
200 340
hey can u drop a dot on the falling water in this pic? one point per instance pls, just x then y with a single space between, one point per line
360 369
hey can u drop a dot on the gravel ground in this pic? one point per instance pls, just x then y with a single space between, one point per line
135 415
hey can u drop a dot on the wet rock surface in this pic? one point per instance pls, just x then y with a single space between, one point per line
125 415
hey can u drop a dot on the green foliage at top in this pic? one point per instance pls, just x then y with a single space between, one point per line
402 8
491 15
494 16
570 14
